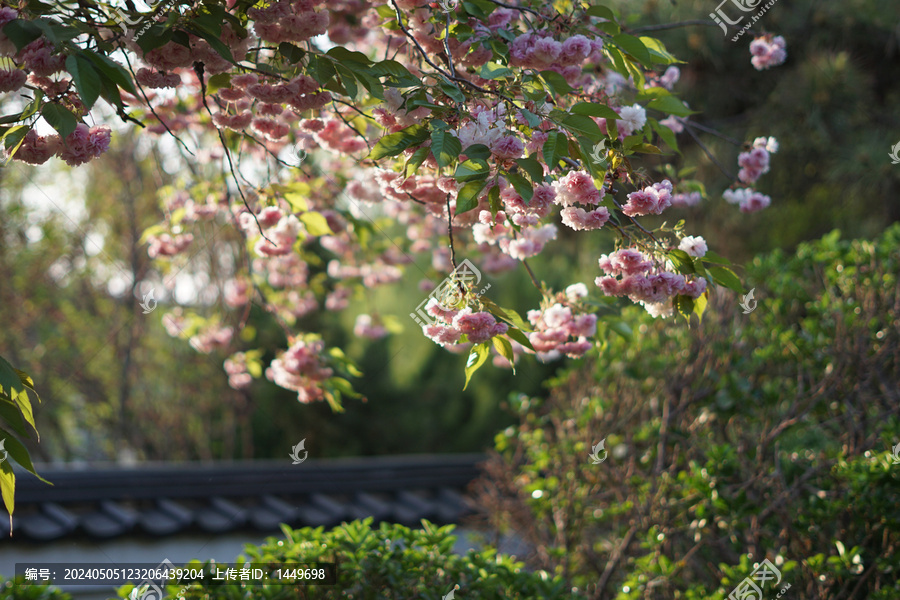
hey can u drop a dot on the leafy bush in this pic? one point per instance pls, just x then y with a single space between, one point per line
747 436
391 561
19 589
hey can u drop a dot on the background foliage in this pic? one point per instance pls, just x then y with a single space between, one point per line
744 437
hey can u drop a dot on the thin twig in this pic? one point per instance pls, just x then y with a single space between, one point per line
712 131
709 154
520 8
664 26
531 274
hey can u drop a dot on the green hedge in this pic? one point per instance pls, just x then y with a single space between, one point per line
766 434
388 562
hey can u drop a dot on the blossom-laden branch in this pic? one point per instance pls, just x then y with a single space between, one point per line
528 121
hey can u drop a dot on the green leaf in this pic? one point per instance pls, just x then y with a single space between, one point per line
473 169
291 53
633 46
712 257
532 119
504 348
583 125
316 223
14 137
494 200
445 147
467 197
478 151
396 70
59 118
19 453
8 488
557 83
86 78
453 92
554 148
600 11
534 168
492 70
416 160
517 335
645 148
700 305
591 109
212 38
666 134
671 105
684 305
14 385
507 314
682 261
522 186
347 57
478 355
11 414
21 32
113 70
658 52
395 143
725 276
347 80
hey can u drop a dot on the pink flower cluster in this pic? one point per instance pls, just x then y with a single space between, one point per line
300 368
39 58
11 80
538 50
748 200
630 273
532 237
753 164
768 51
212 338
236 367
157 80
684 199
555 325
79 147
279 239
284 21
651 200
369 328
577 187
451 325
85 144
166 245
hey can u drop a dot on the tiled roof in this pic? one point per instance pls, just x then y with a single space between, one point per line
164 500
